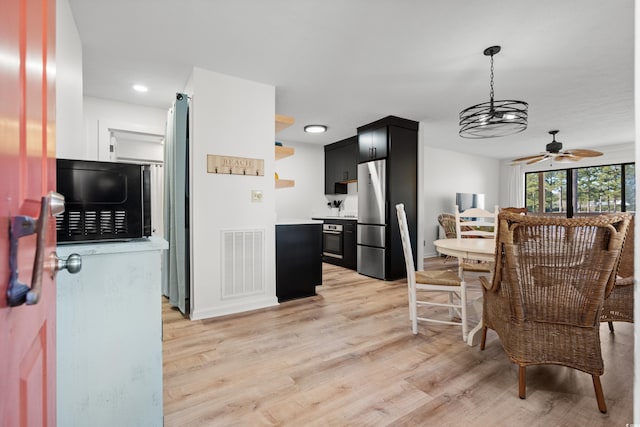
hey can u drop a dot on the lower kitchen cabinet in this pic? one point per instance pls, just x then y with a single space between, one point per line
298 260
349 259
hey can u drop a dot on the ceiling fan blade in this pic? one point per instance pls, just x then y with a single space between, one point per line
583 153
538 159
522 159
566 158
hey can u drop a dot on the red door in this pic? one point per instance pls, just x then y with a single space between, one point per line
27 172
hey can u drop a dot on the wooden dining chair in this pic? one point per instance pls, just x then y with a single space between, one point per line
424 283
546 295
475 223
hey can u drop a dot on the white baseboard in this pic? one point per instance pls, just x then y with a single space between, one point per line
234 307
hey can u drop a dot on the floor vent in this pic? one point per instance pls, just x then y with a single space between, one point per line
242 263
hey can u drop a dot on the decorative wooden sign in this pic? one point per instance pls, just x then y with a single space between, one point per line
235 165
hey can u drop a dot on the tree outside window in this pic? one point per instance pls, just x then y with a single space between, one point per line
630 187
599 189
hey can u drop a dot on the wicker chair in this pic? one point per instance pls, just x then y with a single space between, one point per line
448 223
548 288
522 211
618 306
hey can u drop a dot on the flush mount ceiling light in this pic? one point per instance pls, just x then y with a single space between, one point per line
315 128
494 118
140 88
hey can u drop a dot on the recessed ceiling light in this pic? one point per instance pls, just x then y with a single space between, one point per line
315 128
140 88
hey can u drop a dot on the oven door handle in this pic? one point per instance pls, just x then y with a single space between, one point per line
332 232
329 254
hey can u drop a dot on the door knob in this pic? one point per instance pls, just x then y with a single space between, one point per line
72 264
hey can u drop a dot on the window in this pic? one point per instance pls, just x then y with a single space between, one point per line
629 180
582 191
546 192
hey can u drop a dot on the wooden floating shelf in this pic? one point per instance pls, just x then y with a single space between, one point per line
283 122
282 152
284 183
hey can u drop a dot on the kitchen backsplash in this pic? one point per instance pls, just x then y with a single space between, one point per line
348 205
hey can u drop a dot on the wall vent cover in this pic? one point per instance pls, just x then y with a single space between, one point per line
242 263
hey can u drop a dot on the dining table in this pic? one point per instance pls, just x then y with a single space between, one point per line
473 249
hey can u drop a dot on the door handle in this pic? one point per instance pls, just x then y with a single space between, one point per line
19 293
72 264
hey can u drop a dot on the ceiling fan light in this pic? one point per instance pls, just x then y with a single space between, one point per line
566 159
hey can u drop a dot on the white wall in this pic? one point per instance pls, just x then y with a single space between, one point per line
100 115
447 173
229 117
306 167
69 132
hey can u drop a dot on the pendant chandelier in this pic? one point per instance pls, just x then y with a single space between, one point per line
494 118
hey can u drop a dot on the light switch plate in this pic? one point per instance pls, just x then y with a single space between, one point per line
256 196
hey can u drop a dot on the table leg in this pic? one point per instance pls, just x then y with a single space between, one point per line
473 337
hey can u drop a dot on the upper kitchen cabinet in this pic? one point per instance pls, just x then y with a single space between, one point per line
375 139
340 165
372 144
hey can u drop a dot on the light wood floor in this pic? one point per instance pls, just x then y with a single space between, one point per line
347 357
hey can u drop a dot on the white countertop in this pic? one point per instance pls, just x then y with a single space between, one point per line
112 246
297 221
346 218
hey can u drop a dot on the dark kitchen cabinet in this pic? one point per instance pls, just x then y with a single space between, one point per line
372 144
298 260
340 165
349 259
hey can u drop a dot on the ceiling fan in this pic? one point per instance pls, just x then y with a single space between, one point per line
556 153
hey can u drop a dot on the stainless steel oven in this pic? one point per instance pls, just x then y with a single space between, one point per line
332 241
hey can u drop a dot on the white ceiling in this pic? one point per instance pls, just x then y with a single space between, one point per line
346 63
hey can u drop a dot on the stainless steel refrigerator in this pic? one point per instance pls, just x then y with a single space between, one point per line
372 218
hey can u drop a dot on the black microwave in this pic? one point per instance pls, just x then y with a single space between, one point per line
103 201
